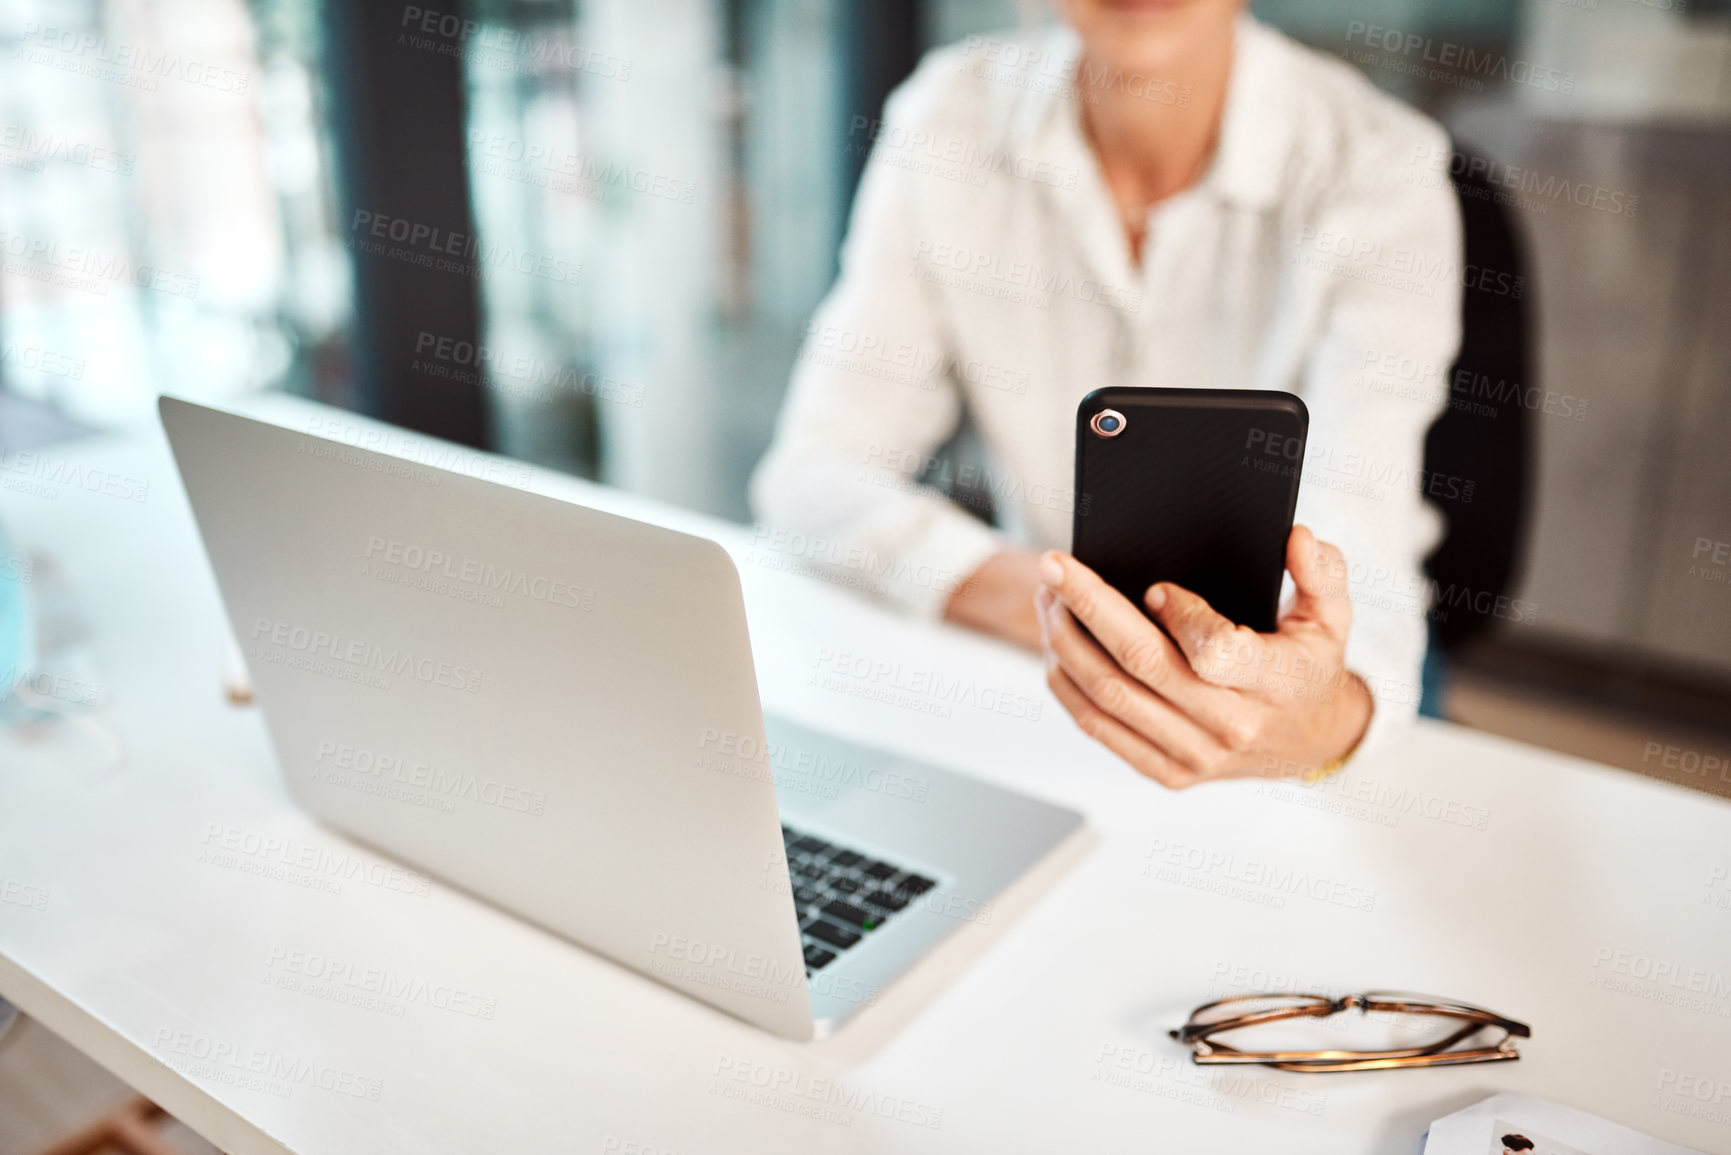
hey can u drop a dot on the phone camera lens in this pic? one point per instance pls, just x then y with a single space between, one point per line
1107 423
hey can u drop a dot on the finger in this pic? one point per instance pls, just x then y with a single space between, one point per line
1142 756
1122 697
1319 577
1218 651
1135 643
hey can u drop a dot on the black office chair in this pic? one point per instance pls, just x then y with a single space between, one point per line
1484 439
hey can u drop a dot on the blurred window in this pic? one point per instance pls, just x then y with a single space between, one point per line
165 207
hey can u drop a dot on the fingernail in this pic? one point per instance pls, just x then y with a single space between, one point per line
1051 570
1156 598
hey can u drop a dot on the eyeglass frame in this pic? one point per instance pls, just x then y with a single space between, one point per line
1206 1051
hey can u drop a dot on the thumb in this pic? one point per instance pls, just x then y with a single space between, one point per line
1319 574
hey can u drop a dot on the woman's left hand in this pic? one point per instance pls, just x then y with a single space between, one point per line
1197 697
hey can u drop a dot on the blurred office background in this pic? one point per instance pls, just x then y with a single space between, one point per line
645 197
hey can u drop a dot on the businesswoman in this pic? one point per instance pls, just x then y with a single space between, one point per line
1149 192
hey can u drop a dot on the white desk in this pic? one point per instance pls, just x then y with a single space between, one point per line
1547 888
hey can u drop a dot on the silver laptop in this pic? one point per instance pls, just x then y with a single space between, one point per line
555 708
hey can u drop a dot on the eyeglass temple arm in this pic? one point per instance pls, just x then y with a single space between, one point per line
1448 1059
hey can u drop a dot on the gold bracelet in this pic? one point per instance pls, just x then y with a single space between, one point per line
1334 766
1329 768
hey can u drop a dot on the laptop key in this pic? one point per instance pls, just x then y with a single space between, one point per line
829 932
839 892
817 958
849 913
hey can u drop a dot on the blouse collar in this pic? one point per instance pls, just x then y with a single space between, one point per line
1256 126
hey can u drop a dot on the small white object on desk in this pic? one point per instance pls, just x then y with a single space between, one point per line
1528 1125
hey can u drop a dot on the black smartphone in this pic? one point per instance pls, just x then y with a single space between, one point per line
1192 486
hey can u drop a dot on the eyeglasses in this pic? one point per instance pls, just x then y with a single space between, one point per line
1216 1018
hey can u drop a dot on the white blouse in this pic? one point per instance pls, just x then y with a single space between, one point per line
986 266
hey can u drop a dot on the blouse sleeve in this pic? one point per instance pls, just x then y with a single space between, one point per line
871 398
1375 380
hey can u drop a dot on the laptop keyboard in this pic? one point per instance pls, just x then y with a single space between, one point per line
842 895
